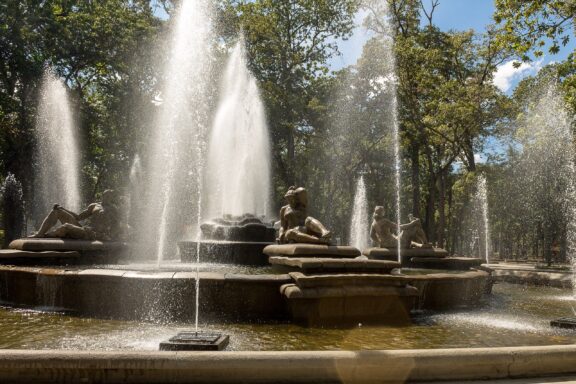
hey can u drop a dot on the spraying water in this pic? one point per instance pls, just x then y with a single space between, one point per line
482 201
135 178
174 159
238 177
544 177
387 35
57 158
360 223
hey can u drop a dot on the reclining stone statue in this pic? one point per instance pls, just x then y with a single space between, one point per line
411 234
102 221
295 224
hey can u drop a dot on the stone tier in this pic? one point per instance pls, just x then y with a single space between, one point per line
223 252
15 256
392 253
332 265
51 244
311 250
449 263
327 300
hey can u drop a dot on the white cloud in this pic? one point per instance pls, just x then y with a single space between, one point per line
507 75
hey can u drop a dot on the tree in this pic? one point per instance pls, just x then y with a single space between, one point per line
289 43
448 105
98 48
530 25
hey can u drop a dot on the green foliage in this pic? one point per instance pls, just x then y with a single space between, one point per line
289 43
529 25
327 128
99 49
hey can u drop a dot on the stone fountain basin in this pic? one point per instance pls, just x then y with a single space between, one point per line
135 295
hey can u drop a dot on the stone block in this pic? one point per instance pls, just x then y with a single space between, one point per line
7 254
311 250
339 280
392 253
312 265
449 263
346 305
28 244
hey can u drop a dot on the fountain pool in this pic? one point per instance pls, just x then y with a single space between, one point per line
511 316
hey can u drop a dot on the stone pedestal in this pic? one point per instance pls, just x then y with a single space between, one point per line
195 341
230 240
406 254
311 250
53 244
18 257
345 300
331 265
448 263
64 250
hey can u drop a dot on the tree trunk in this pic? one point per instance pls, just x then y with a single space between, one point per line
415 160
442 210
430 205
291 156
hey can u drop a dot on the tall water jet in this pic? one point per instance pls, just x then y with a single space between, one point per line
359 236
238 178
392 82
174 159
481 198
134 189
543 183
57 158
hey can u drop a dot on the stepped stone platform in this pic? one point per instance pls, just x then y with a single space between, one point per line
15 256
311 250
63 251
48 244
449 263
332 265
392 253
346 299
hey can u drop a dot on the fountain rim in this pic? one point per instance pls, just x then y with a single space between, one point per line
293 366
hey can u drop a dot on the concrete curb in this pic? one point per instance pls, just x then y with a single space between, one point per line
395 366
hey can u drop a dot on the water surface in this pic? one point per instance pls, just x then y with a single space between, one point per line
513 316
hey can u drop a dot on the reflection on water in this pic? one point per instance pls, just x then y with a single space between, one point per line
514 315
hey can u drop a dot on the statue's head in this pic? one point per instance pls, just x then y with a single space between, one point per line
301 196
378 212
290 196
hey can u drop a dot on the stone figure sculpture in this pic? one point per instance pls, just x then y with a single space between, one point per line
102 221
382 232
295 224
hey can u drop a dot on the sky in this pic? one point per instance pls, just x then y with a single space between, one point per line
459 15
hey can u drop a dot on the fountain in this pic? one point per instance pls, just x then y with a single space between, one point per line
359 225
134 189
481 198
392 81
237 174
174 159
57 158
316 283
